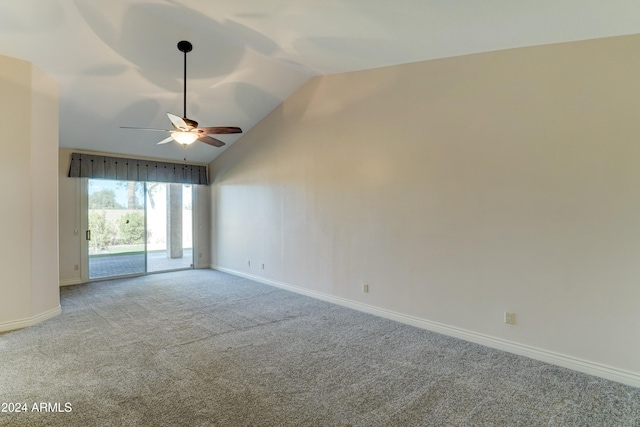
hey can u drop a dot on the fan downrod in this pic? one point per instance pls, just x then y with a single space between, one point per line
185 46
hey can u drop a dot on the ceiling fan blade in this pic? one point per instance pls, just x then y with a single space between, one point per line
211 141
178 122
157 130
219 130
164 141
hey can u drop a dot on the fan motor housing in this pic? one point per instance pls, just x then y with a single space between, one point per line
190 122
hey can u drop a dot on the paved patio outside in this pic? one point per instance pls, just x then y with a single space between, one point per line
125 264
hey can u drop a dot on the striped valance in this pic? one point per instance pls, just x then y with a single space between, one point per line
122 169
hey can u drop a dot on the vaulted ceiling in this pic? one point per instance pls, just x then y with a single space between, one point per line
117 63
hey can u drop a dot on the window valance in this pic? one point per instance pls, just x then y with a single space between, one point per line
123 169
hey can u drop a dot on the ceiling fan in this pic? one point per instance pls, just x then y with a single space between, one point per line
186 131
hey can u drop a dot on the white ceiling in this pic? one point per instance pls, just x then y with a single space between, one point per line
117 63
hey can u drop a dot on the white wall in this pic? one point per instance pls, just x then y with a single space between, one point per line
458 189
29 218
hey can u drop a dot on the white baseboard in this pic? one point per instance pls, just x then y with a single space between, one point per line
70 282
570 362
24 323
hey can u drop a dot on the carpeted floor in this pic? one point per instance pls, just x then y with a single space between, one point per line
201 348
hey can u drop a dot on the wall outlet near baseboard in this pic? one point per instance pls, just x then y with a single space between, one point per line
262 266
365 288
509 318
248 263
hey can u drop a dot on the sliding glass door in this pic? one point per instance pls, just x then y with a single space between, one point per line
137 227
169 219
116 228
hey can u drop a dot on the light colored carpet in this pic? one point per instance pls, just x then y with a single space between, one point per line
201 348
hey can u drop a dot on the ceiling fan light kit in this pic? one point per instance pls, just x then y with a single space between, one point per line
184 138
186 131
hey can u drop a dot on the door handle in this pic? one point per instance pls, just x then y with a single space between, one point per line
88 235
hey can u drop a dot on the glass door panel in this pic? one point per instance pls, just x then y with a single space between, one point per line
169 226
116 230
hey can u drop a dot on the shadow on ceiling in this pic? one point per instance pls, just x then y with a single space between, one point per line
148 34
363 53
40 17
141 113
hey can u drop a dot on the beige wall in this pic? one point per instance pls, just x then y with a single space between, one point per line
44 192
72 234
201 227
29 250
458 189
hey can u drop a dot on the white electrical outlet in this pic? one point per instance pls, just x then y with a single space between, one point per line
76 267
365 288
509 318
249 263
262 266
